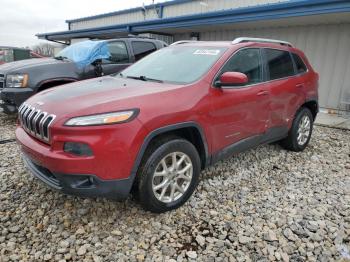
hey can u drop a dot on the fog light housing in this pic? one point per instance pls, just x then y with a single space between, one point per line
78 149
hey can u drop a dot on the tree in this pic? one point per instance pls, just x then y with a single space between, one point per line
44 49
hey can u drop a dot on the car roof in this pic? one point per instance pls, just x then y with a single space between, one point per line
133 38
203 43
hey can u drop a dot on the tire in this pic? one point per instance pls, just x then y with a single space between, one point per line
294 141
149 196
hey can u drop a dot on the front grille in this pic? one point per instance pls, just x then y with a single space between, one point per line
35 122
2 81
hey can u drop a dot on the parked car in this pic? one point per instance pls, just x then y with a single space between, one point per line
83 60
154 126
11 54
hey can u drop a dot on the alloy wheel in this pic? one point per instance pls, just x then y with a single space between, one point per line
172 177
304 130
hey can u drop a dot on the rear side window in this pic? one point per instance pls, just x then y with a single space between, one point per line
279 63
119 53
141 49
246 61
299 64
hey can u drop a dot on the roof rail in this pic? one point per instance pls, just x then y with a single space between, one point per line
261 40
183 42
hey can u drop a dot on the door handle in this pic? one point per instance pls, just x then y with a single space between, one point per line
299 85
262 93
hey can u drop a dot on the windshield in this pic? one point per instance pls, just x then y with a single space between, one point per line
85 52
182 65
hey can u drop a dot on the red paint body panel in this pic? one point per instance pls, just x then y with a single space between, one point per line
226 116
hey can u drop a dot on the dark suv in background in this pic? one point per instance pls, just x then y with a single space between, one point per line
20 80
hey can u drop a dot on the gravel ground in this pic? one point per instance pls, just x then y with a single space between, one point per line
265 204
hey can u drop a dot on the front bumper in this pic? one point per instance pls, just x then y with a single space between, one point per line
13 97
109 172
80 185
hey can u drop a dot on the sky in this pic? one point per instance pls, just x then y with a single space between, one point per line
20 20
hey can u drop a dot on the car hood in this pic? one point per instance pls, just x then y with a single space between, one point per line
101 95
23 65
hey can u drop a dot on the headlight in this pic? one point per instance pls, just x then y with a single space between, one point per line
18 80
103 119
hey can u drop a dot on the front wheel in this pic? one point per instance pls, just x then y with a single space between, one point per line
300 133
168 176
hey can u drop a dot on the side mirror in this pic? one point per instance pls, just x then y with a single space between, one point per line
232 79
97 62
98 67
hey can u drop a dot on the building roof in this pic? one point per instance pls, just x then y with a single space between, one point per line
295 8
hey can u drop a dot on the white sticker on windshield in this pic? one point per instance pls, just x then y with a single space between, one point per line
206 52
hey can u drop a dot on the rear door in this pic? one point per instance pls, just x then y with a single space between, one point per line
285 87
141 49
240 112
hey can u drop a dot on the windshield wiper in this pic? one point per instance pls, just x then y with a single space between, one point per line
145 78
60 57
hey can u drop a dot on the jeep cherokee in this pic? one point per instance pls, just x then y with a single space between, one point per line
150 129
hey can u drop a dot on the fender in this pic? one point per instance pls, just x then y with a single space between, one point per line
162 130
313 99
310 99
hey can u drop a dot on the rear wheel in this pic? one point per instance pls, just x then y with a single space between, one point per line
168 175
300 133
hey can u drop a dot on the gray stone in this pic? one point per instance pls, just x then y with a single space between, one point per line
200 240
191 254
81 251
244 239
289 235
270 236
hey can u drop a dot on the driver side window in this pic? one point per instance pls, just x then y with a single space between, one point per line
119 53
248 62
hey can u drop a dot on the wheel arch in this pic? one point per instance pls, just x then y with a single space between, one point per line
54 82
191 131
312 105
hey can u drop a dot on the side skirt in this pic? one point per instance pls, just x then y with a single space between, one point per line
272 135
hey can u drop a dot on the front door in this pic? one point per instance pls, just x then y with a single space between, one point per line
119 59
240 112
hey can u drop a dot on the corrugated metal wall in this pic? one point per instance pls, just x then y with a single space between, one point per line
326 46
194 7
114 20
204 6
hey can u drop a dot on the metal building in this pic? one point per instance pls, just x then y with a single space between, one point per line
321 28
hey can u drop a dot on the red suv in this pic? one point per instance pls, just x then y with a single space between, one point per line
151 128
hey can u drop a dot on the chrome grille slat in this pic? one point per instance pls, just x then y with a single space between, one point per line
29 117
31 121
35 122
36 119
2 81
25 116
41 125
23 113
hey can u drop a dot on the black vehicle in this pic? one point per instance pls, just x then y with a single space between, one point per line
22 79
